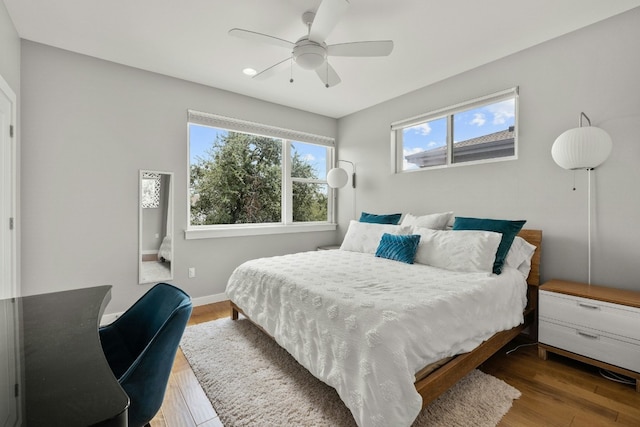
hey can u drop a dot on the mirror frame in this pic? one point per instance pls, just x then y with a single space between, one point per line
170 225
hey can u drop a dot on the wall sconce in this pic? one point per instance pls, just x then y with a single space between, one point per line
338 177
584 147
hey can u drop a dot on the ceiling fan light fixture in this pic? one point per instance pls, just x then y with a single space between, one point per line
310 52
309 55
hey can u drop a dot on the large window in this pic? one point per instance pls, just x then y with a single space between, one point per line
480 130
246 176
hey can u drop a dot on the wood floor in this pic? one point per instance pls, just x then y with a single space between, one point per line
555 392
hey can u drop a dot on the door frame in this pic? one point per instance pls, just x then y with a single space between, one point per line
10 282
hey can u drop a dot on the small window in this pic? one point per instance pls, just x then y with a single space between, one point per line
243 173
480 130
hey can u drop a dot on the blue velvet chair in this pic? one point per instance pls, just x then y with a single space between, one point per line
141 346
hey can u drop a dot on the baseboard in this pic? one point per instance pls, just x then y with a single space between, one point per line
209 299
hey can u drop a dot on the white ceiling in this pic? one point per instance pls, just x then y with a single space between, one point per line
188 39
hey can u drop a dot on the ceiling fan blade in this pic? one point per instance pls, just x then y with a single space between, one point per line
328 75
274 69
371 48
327 16
259 37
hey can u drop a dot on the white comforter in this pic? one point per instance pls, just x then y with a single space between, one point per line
366 325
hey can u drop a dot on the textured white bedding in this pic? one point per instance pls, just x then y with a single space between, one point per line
366 325
165 248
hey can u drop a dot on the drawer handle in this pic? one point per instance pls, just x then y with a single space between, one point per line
586 335
592 307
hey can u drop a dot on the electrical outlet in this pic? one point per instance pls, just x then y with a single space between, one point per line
192 272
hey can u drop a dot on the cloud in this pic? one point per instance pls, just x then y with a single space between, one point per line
405 152
422 129
308 158
478 119
502 111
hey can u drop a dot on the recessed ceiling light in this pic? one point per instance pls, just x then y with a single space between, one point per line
249 71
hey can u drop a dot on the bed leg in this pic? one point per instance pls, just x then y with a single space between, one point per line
542 353
234 313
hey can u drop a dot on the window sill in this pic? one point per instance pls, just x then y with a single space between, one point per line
212 232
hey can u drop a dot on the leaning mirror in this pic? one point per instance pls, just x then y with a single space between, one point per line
155 256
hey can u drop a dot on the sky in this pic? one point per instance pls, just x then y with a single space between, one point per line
467 124
202 137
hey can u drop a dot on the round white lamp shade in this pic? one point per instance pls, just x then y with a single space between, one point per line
582 148
337 178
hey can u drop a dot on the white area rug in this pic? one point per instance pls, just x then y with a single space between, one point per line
251 381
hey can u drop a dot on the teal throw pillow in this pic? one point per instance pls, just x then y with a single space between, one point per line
398 248
393 219
509 230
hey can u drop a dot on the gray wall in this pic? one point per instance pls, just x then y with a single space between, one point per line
595 70
88 126
10 50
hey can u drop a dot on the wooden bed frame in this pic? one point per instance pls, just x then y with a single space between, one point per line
431 383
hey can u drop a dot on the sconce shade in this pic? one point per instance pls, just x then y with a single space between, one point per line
337 178
581 148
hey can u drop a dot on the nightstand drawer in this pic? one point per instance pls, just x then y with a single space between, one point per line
613 319
591 343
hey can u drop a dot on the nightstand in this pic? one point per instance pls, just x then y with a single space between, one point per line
593 324
328 247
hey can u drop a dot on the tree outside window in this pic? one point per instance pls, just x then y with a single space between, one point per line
243 178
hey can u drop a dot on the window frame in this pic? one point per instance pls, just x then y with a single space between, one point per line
397 154
287 138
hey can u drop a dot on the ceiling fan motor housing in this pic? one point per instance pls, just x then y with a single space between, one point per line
309 55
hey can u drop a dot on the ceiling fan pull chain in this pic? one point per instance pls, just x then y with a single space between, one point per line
327 84
291 68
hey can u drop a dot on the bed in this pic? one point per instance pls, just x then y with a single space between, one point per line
369 326
164 253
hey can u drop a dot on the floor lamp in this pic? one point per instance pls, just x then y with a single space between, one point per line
584 147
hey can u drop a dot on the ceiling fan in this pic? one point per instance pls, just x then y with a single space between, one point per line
310 51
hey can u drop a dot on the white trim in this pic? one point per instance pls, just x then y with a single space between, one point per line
287 184
233 230
13 275
229 123
208 299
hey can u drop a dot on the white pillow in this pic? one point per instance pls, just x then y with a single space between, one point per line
458 250
519 255
365 237
437 221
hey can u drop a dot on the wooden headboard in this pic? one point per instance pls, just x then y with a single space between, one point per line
535 238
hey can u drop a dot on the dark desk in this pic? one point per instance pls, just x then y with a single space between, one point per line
61 375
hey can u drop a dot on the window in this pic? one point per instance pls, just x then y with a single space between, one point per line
150 188
256 179
476 131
